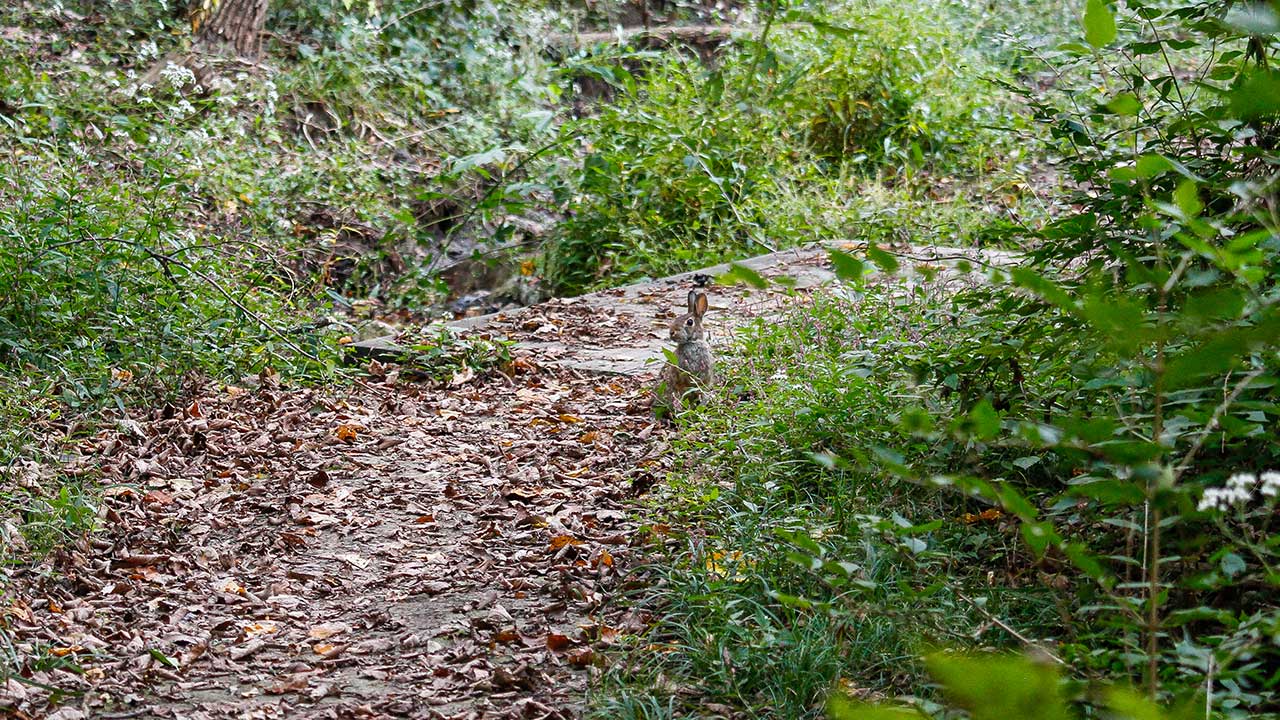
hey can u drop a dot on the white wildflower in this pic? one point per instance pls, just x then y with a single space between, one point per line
181 110
1214 499
148 50
1239 490
1242 481
271 95
179 76
1270 483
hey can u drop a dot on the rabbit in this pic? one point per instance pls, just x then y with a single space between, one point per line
694 370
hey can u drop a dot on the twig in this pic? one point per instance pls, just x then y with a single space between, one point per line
1005 626
1209 427
163 258
391 23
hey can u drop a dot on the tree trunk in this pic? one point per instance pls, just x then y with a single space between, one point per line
237 25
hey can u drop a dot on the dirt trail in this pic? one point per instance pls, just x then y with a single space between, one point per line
389 550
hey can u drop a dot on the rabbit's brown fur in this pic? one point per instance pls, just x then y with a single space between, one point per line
694 370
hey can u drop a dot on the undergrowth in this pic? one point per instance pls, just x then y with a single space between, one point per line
794 571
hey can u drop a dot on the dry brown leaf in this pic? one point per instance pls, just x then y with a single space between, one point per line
157 497
266 627
582 658
324 631
557 642
326 649
348 432
559 541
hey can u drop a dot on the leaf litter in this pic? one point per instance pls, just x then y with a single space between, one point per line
390 550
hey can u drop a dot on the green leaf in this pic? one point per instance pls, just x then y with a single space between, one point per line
1232 565
1258 96
1253 18
162 658
1026 461
1000 687
1131 705
1120 320
792 601
1151 165
742 274
848 267
840 707
1079 555
1014 502
1045 288
886 261
1187 197
1099 23
984 421
1109 492
1125 104
1038 536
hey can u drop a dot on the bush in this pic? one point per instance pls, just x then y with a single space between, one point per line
900 84
675 174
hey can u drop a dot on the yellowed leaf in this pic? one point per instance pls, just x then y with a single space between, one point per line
559 541
266 627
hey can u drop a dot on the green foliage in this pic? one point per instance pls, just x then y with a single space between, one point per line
1104 412
1128 363
813 566
439 353
676 175
1008 687
863 95
690 165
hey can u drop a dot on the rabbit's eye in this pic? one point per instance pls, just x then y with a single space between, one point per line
689 322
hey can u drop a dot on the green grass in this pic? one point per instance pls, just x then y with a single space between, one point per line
793 573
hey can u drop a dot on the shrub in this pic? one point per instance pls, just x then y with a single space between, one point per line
899 84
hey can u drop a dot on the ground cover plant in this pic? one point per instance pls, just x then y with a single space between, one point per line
1093 427
1032 467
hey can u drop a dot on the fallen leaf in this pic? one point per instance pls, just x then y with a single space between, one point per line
557 642
582 658
326 649
157 497
265 627
507 636
559 541
327 630
348 432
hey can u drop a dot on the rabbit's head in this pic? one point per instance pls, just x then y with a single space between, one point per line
688 327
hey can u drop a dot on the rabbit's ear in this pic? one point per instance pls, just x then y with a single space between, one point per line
693 302
698 305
